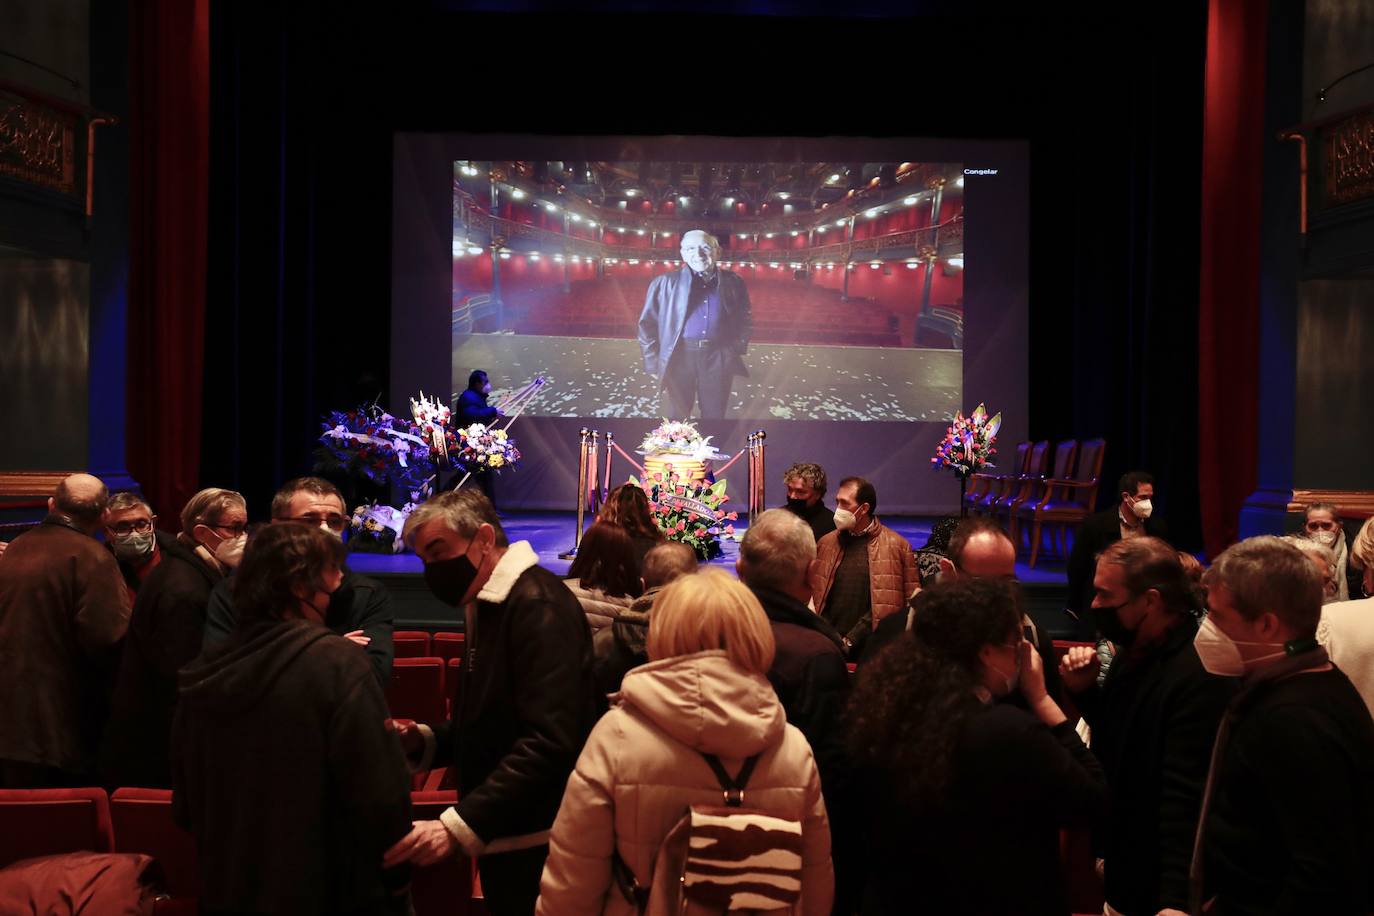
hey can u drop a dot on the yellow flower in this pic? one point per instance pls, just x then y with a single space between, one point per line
496 461
500 434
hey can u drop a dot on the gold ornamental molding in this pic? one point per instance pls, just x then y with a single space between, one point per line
30 484
38 143
1348 159
1351 503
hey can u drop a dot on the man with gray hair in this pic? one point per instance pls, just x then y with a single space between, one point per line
1288 815
528 700
805 483
694 330
131 534
63 611
776 561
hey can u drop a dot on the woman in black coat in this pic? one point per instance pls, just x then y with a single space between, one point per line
965 796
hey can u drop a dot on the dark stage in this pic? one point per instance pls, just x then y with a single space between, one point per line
551 533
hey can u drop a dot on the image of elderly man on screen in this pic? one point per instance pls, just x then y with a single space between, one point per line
695 329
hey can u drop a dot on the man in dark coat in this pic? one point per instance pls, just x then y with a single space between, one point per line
808 674
132 535
360 610
283 768
472 403
694 330
528 700
1132 516
63 611
165 634
1290 822
1153 721
805 485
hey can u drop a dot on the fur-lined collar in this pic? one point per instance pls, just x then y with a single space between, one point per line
518 557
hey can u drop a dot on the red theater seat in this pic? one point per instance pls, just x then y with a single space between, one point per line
410 643
444 889
447 646
416 690
47 822
143 823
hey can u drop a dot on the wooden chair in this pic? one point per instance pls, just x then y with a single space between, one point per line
1019 490
1067 501
410 643
985 485
1033 491
1004 482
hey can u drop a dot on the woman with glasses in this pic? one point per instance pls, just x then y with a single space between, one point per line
165 633
964 795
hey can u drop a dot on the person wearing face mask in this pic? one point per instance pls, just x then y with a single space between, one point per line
1322 523
694 330
283 769
165 633
527 704
1347 627
360 610
1132 516
1153 719
805 485
63 612
964 797
1288 818
864 571
132 535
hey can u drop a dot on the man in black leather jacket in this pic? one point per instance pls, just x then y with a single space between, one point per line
528 700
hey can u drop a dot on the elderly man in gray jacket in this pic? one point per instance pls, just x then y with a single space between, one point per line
695 329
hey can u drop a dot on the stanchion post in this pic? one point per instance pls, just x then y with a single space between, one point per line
606 481
751 484
581 493
592 481
761 499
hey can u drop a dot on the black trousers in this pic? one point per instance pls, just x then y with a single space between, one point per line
697 375
510 880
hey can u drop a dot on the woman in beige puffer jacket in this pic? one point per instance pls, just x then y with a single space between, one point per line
705 690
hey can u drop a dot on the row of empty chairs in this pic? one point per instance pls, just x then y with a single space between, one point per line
45 822
1043 492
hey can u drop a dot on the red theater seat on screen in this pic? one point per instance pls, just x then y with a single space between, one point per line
47 822
444 889
143 823
416 690
410 643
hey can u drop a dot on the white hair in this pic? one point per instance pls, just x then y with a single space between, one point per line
777 549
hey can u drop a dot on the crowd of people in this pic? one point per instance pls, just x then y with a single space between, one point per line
847 725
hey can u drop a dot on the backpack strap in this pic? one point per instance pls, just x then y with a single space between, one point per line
732 786
636 894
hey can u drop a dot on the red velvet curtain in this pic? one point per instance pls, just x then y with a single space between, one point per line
169 164
1228 319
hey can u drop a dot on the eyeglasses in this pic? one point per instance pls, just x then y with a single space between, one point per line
142 526
234 530
333 520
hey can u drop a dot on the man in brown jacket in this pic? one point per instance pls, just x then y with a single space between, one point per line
864 571
63 610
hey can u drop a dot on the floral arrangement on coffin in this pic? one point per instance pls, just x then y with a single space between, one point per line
481 449
377 529
676 437
689 511
967 447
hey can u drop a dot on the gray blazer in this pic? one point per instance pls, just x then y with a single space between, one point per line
665 313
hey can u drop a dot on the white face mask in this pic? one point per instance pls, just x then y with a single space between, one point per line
230 550
1324 538
844 519
1220 654
1142 508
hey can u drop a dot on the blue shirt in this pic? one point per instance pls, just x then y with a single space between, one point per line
703 309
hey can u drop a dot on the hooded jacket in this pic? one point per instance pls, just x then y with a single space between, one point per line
285 775
601 609
643 766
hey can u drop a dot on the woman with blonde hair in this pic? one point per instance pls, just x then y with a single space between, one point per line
703 697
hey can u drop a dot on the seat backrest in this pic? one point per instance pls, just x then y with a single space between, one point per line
1038 465
1064 453
1022 462
410 643
47 822
1090 456
416 690
447 645
143 823
446 887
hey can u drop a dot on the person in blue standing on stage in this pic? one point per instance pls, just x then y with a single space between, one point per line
472 404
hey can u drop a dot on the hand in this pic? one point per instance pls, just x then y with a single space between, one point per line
428 842
1032 674
500 412
358 637
3 546
412 742
1078 668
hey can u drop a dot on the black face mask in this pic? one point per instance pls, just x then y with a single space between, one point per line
449 580
796 505
1110 625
